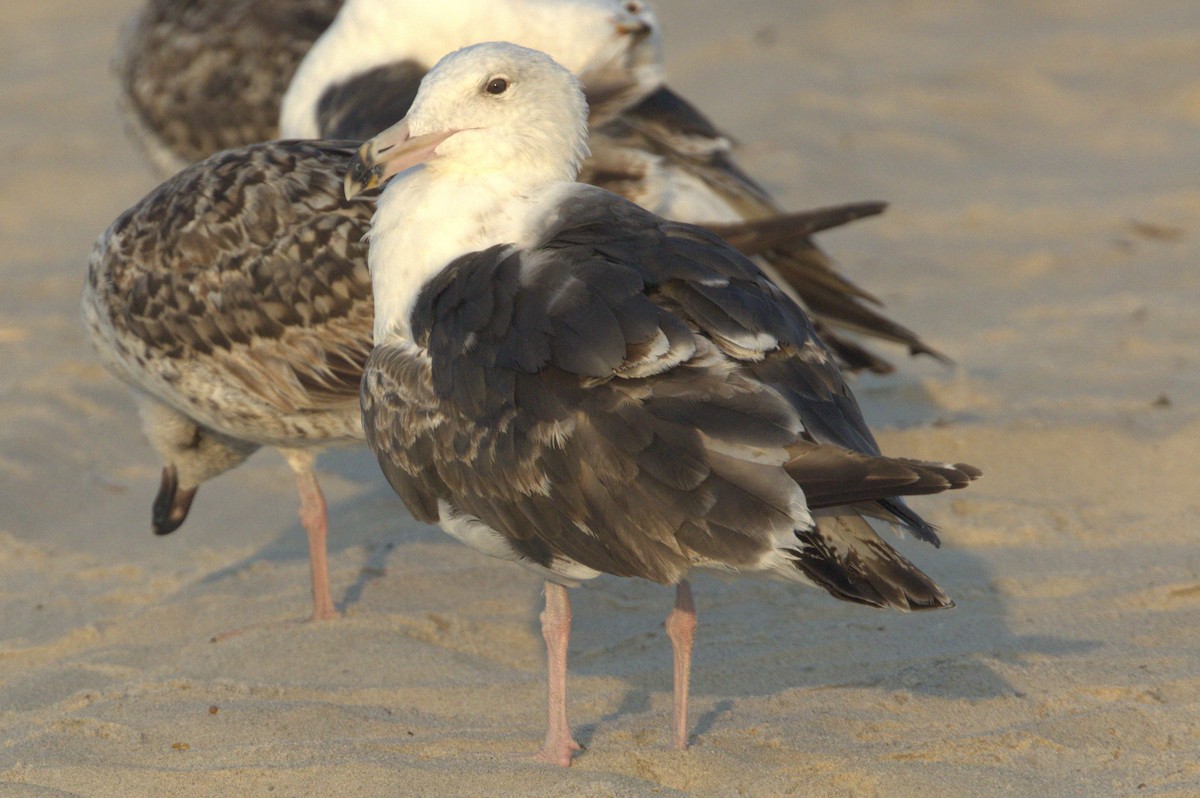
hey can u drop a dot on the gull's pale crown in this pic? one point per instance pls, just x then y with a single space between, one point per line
582 35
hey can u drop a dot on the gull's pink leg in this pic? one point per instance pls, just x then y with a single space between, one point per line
556 629
314 516
681 628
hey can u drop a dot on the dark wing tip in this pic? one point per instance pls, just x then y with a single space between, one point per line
851 355
971 472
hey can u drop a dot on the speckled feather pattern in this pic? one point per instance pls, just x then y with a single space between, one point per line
198 77
238 293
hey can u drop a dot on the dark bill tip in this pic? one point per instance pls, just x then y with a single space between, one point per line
171 505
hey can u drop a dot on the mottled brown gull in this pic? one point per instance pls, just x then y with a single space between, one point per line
200 76
234 299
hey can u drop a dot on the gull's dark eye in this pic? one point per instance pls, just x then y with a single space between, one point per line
633 6
497 85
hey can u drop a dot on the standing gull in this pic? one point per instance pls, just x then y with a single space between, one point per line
647 142
234 299
566 380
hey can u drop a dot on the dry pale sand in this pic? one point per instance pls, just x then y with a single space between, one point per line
1043 170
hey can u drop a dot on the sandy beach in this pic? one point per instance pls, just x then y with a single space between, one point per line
1041 167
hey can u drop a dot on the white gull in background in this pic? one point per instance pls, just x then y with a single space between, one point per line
234 299
647 143
362 73
566 380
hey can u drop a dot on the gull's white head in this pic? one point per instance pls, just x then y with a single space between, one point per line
489 109
611 40
500 130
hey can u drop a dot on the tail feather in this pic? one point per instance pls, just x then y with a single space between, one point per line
841 552
835 306
895 511
844 555
760 235
831 476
